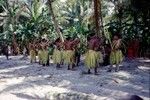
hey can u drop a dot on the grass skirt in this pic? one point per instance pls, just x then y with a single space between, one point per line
44 56
116 57
32 55
92 58
57 56
68 56
40 56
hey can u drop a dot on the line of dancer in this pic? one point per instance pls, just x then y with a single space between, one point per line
67 53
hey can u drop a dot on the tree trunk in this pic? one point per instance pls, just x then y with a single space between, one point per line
101 19
98 18
55 21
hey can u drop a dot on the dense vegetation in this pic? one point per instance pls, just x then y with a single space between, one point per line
23 20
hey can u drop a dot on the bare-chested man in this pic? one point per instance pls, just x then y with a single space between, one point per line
69 52
93 55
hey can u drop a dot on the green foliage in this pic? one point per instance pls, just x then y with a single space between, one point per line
73 16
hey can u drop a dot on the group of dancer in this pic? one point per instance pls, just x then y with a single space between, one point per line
66 52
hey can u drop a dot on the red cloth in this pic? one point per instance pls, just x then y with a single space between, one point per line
130 53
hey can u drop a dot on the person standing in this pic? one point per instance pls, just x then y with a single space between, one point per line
93 55
69 52
116 56
57 54
32 52
44 53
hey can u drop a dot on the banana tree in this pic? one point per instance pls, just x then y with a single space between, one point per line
11 10
54 20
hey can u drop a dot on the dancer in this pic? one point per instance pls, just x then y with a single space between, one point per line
44 53
69 52
57 54
116 55
93 54
32 52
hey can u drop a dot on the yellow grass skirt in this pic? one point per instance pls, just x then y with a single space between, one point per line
116 57
32 55
68 56
40 56
57 56
44 56
92 58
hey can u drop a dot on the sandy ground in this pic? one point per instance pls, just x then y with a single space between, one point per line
20 80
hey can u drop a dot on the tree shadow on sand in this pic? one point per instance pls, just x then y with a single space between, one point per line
100 85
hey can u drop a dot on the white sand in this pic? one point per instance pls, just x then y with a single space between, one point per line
20 80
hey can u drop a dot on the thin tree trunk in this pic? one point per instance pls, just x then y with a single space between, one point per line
98 18
101 19
55 21
96 15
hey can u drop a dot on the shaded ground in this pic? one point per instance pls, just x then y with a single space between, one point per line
20 80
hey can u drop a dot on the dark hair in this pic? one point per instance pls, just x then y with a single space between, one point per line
68 38
43 40
57 40
118 35
92 34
